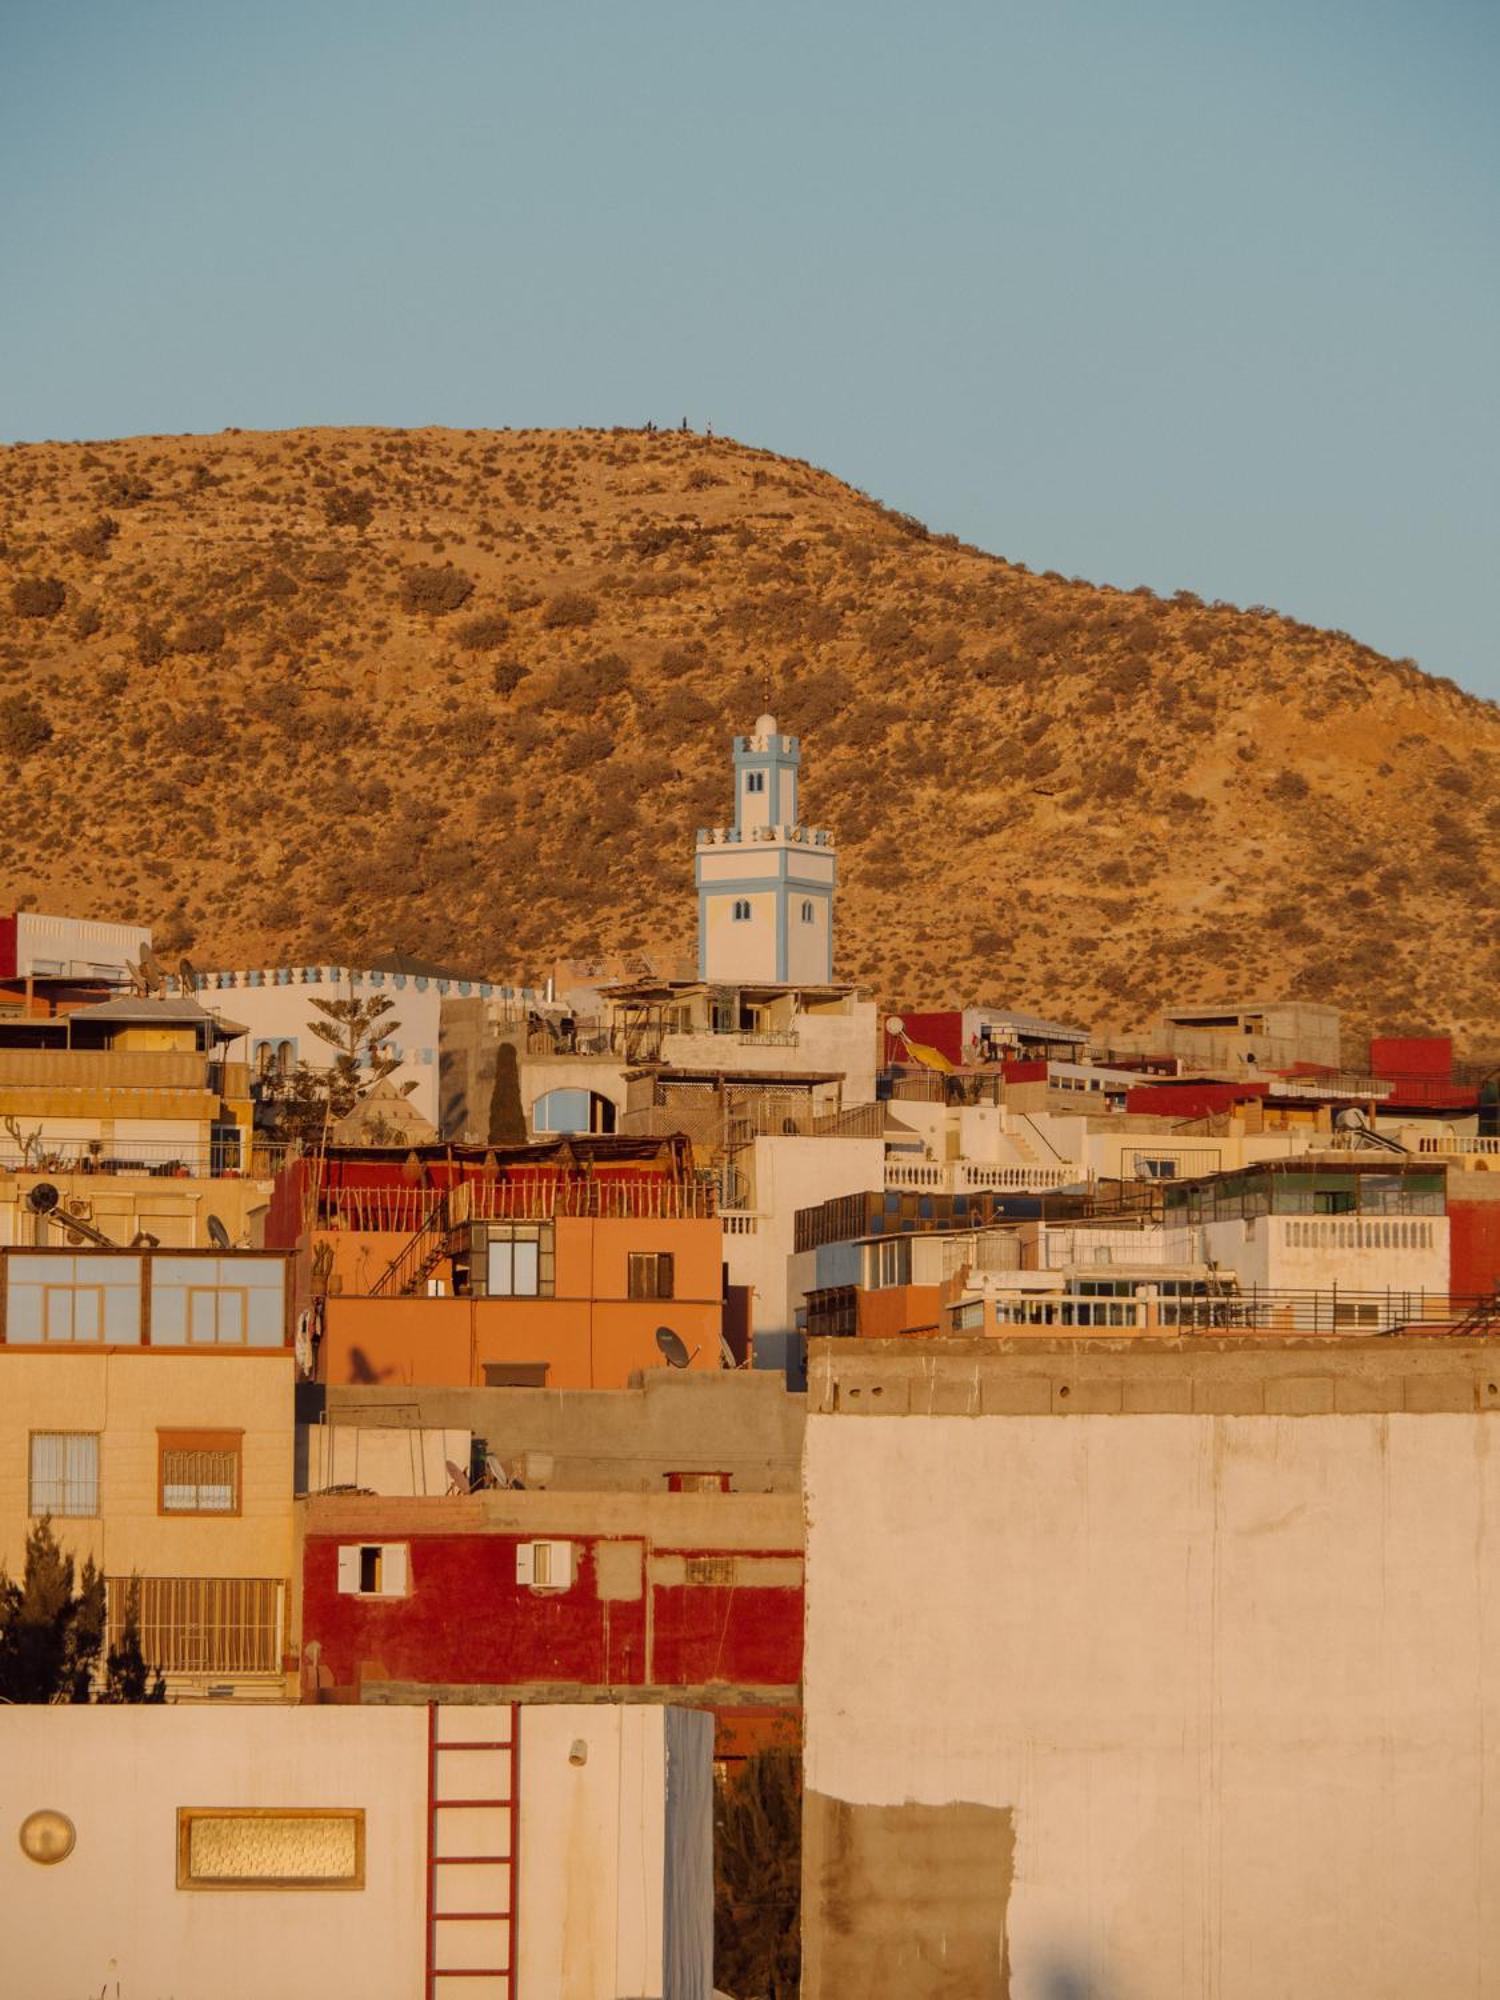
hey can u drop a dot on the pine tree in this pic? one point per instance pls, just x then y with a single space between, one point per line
51 1634
308 1100
355 1030
126 1674
507 1117
758 1876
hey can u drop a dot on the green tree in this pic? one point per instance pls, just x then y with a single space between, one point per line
50 1630
507 1116
306 1101
758 1876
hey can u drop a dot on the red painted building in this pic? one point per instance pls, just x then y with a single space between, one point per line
682 1596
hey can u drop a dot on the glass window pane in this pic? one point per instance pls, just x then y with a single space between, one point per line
498 1277
526 1270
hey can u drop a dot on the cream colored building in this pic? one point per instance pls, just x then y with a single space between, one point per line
146 1408
314 1853
1152 1669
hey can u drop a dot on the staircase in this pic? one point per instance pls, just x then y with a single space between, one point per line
473 1857
415 1262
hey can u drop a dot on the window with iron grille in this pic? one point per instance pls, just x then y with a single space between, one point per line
203 1624
199 1471
64 1473
652 1274
717 1571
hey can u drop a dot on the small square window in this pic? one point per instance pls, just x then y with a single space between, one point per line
652 1274
374 1569
755 781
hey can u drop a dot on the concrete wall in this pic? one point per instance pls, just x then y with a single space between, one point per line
739 1421
599 1905
788 1174
1137 1674
174 1211
666 1591
398 1459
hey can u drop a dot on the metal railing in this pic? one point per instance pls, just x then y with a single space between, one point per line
1255 1310
961 1177
162 1159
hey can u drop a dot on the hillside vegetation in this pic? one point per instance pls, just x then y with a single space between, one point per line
469 693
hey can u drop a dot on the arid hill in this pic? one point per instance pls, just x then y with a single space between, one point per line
469 693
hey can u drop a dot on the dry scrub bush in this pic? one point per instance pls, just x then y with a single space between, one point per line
348 507
570 610
24 727
435 592
484 633
37 596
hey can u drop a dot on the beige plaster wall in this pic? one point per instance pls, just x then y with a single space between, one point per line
597 1898
1233 1680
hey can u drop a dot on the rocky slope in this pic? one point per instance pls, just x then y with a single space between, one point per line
469 693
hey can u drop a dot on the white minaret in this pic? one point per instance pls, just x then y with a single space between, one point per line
765 884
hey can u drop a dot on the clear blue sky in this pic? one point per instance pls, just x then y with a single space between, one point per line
1186 294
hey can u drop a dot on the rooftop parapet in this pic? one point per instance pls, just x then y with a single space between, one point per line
796 836
766 743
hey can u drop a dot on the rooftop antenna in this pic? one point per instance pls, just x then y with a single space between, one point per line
673 1348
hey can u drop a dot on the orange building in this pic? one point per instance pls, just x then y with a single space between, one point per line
549 1266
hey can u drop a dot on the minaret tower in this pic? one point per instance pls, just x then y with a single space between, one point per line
765 884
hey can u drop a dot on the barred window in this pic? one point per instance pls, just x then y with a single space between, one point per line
199 1471
64 1473
652 1274
204 1624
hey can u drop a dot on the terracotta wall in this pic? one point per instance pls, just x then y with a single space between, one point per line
587 1344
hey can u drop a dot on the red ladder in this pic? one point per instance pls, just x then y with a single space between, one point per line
473 1859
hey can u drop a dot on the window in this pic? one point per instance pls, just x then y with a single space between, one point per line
199 1472
888 1264
651 1274
92 1298
518 1261
545 1565
755 781
807 911
237 1301
742 910
374 1569
255 1847
64 1473
204 1624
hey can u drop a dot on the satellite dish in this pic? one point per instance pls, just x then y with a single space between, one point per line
894 1025
153 972
43 1198
187 974
218 1235
673 1349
